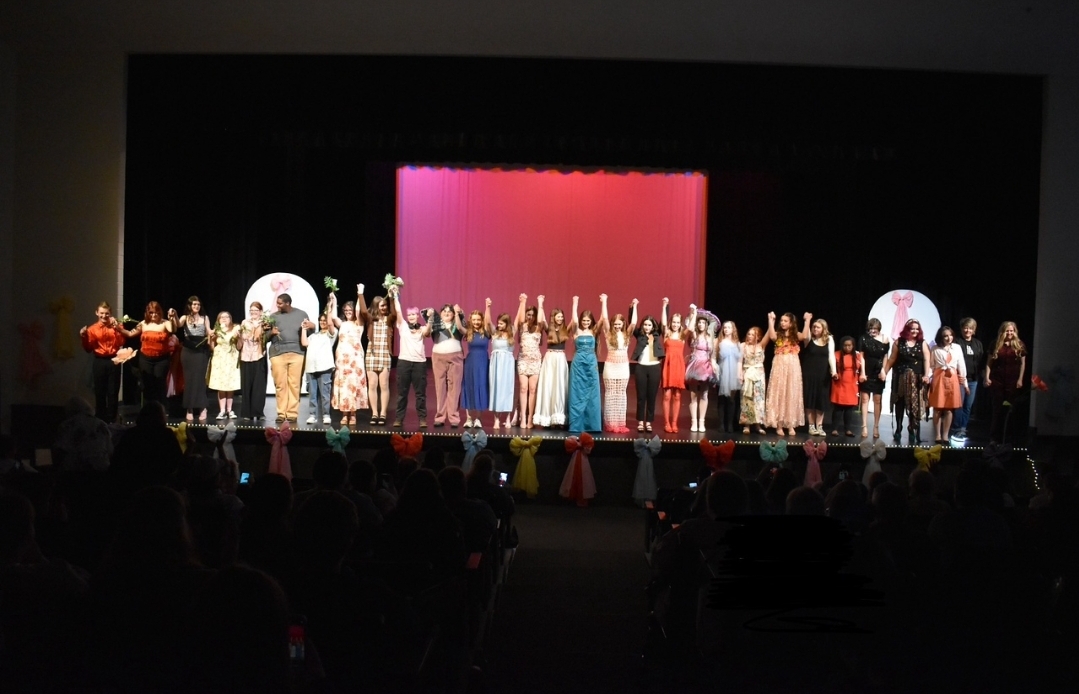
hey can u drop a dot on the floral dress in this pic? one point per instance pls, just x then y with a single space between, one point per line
350 378
752 386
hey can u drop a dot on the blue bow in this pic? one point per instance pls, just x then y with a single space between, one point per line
337 440
474 441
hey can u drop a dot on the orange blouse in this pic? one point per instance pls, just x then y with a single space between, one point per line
102 340
155 343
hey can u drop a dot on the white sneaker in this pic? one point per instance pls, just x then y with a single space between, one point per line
312 420
693 425
221 415
232 415
326 419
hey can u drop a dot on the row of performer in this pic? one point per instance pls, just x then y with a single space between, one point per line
475 369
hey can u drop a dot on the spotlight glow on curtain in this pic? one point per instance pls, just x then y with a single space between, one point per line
467 234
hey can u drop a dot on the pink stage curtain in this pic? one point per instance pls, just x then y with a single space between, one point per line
466 234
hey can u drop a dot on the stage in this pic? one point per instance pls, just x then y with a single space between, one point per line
613 458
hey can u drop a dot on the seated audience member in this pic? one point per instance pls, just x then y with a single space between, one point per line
434 459
923 499
366 634
238 637
680 581
41 602
846 504
147 454
972 539
83 442
805 501
265 532
8 460
891 548
780 483
758 505
480 485
213 515
423 531
478 521
141 595
330 474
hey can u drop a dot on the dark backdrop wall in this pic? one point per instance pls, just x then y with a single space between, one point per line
827 188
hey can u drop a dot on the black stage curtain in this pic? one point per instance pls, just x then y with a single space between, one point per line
828 187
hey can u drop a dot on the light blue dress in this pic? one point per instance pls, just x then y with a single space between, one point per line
584 402
502 375
727 379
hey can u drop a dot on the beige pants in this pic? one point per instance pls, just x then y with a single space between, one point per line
287 372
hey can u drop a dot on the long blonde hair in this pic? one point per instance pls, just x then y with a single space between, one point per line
1016 344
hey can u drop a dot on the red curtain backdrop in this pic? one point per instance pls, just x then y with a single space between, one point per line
467 234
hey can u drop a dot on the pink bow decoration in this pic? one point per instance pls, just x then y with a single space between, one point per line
280 464
63 342
32 363
873 452
815 453
902 303
578 483
280 285
525 477
222 437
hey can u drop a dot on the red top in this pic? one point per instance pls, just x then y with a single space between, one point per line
845 389
102 340
155 343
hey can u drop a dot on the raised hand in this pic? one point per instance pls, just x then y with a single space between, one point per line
457 308
487 302
666 301
359 288
772 316
522 298
807 316
576 298
633 303
539 299
603 298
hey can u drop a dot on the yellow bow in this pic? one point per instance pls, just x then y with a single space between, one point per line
525 477
181 435
927 457
63 344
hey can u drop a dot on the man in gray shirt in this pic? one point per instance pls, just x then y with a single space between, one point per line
286 357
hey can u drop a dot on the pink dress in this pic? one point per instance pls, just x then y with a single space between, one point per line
783 401
700 360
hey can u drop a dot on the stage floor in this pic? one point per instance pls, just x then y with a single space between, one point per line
977 438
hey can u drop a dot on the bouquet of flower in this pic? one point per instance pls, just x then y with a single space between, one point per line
268 321
390 282
127 319
330 283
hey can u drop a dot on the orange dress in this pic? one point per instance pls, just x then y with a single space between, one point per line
845 389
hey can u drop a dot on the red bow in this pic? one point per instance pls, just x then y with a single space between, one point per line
1037 383
406 448
717 457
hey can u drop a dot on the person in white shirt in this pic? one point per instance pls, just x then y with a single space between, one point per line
319 366
949 382
411 361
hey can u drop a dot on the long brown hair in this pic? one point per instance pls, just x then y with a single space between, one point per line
612 334
791 333
556 335
470 331
156 307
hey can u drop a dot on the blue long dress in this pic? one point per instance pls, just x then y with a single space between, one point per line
474 394
584 403
503 375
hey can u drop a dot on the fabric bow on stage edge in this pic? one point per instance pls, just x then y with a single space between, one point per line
338 440
222 436
63 342
927 457
774 451
873 452
717 457
407 448
815 453
644 486
182 436
280 464
474 442
578 483
996 454
525 477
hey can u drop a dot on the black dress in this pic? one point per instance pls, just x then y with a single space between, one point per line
873 351
816 376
